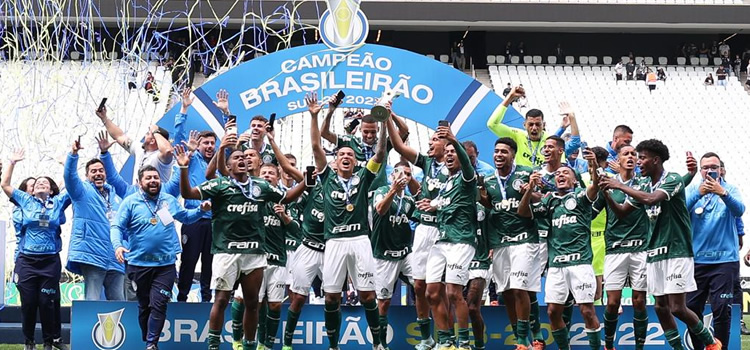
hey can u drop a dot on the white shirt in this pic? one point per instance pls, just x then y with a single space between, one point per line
143 157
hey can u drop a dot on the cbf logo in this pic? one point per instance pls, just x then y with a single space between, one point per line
343 26
109 333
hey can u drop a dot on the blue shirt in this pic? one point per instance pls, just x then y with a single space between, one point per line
149 244
34 238
571 147
715 237
484 168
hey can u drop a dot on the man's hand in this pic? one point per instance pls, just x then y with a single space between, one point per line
76 146
714 186
614 165
703 189
691 163
333 101
222 101
424 205
608 183
102 114
205 206
399 183
244 138
229 140
517 92
444 132
534 179
17 156
566 109
120 254
104 143
182 155
187 100
747 259
565 122
270 132
311 99
192 143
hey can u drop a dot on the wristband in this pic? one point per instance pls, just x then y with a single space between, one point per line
183 166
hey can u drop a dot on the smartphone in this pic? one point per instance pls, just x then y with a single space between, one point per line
444 123
232 129
309 179
79 141
340 96
353 125
102 104
269 126
713 174
584 146
480 180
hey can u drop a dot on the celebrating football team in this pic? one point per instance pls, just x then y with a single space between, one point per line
557 216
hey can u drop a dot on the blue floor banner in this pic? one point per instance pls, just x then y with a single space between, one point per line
114 325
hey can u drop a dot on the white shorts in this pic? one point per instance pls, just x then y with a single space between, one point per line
449 263
274 284
290 255
424 238
624 267
308 264
542 255
387 272
227 268
517 267
348 256
486 275
577 279
671 276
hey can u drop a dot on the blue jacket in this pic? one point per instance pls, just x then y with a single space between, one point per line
715 237
89 238
149 244
33 238
571 147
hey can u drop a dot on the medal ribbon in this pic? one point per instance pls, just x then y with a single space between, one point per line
502 180
347 188
247 191
149 205
536 150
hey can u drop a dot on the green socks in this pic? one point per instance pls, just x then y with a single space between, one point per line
673 338
214 339
424 328
463 337
561 338
272 328
522 332
640 325
595 338
383 324
371 314
445 337
610 328
333 322
262 315
238 310
291 323
535 326
703 333
249 344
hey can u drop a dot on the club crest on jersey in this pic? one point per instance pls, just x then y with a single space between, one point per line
256 191
355 180
267 159
480 215
517 184
570 203
407 206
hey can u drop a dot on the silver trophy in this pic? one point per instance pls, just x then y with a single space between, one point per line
380 111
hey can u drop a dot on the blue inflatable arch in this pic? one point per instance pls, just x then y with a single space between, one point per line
276 83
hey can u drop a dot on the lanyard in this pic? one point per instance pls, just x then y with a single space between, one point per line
434 172
653 187
247 191
106 199
347 187
400 202
48 204
536 150
153 211
502 180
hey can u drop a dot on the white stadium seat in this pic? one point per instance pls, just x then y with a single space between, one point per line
491 59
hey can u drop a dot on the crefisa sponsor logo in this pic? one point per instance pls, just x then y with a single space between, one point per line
108 333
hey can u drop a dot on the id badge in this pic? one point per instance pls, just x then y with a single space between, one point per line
111 216
43 220
164 216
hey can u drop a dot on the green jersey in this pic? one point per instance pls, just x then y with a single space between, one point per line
266 153
391 236
362 151
294 231
435 175
276 236
345 204
671 231
505 226
238 210
569 240
457 210
547 186
481 260
313 218
626 235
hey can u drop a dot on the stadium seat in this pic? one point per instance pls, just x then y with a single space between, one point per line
717 61
551 59
500 59
429 55
663 61
703 61
607 60
694 61
537 59
583 59
491 59
444 58
527 60
75 55
681 61
593 60
514 59
570 59
649 61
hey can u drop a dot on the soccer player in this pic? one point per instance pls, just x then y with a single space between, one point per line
480 275
238 234
625 260
448 262
348 251
529 141
254 136
622 136
391 240
669 265
515 240
144 235
426 232
569 210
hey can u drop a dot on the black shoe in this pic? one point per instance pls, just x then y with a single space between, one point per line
55 344
29 345
152 347
743 328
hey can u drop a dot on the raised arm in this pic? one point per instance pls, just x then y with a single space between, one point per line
592 190
183 160
73 182
641 197
381 147
8 173
398 144
403 129
384 204
495 123
221 156
318 154
575 137
294 193
180 133
281 158
326 128
185 216
165 148
468 172
114 130
113 177
524 208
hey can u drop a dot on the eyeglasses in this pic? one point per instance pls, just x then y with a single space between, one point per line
710 167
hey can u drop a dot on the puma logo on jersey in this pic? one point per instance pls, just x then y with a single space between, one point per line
346 228
243 245
511 203
342 195
567 258
517 238
398 220
242 209
564 220
628 243
270 220
658 251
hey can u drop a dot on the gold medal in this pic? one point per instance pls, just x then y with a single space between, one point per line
350 207
153 221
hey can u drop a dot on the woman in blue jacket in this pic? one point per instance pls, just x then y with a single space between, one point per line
38 266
